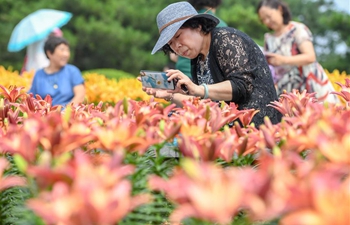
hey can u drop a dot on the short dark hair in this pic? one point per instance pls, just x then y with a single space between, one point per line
200 4
52 42
274 4
207 26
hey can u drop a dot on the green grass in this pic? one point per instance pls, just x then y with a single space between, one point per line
13 209
111 73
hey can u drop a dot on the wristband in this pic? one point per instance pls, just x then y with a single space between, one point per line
206 91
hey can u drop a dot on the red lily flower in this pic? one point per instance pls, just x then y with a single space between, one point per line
13 93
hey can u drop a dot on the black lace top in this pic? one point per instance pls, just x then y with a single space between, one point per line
234 56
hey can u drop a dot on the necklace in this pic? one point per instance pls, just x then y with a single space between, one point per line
52 76
53 81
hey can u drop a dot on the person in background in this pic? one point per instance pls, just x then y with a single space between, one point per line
226 64
35 57
168 66
289 49
62 81
202 6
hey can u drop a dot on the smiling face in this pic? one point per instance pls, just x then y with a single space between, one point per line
60 56
270 17
187 42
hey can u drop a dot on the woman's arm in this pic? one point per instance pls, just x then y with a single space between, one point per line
306 56
79 94
234 62
167 95
303 38
217 92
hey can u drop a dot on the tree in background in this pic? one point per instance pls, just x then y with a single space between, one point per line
329 27
121 34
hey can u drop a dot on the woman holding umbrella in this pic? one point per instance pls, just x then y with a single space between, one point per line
32 32
36 58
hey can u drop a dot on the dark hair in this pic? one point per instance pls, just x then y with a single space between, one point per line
52 42
274 4
207 26
200 4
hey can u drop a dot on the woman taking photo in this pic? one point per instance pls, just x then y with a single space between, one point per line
226 64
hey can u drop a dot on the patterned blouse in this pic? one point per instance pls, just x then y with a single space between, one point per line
203 71
311 77
234 56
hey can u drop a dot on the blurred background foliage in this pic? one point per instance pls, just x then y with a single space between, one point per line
121 34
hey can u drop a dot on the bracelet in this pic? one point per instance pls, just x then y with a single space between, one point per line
170 98
206 91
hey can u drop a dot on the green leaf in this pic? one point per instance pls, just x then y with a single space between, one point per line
20 162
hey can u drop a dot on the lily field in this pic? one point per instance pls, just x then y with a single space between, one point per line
103 162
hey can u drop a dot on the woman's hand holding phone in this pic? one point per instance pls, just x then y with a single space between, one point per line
156 83
164 84
182 82
156 79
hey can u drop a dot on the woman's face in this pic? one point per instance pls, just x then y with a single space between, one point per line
187 42
60 56
272 18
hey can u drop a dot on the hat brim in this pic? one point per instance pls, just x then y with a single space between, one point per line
168 33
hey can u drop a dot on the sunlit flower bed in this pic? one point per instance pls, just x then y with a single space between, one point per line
98 164
337 76
10 77
98 87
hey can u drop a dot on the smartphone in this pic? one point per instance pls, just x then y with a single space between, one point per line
156 79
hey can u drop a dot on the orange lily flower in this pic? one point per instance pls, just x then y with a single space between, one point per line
221 188
96 195
330 200
345 90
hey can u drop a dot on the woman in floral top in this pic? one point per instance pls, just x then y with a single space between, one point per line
290 50
226 63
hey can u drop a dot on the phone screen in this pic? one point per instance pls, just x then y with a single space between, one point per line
156 79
